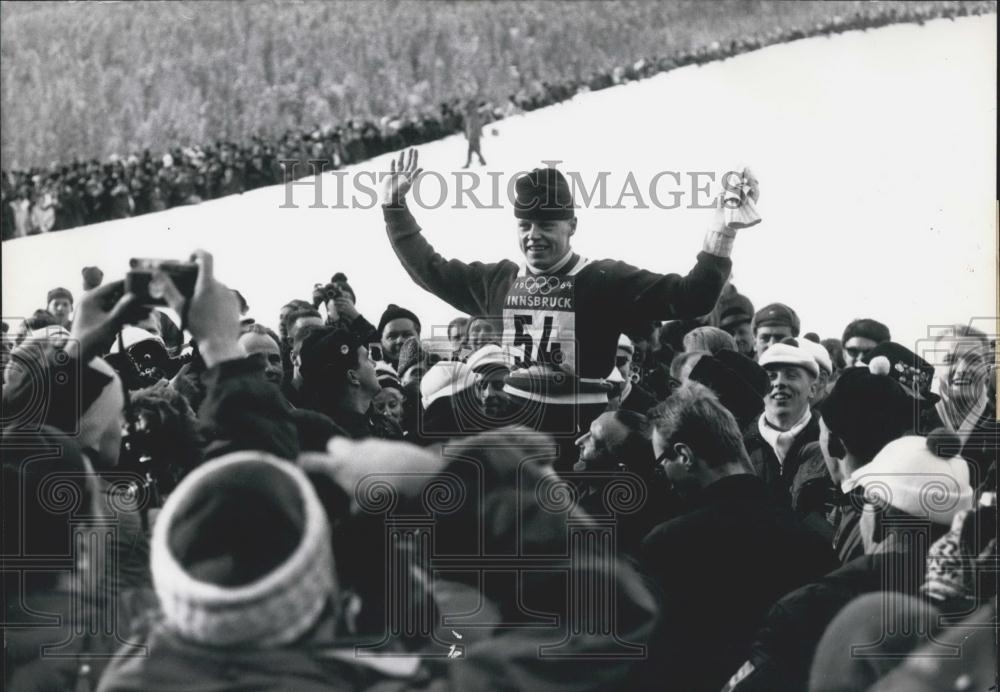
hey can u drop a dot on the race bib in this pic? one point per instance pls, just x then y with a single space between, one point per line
539 318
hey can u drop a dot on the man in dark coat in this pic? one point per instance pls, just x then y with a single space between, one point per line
721 565
339 381
777 439
863 413
617 452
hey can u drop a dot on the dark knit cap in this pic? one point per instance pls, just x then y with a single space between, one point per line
869 329
340 281
543 195
735 309
738 381
329 351
903 365
394 312
748 369
776 315
867 411
58 293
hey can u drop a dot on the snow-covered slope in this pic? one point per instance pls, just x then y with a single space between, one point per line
876 155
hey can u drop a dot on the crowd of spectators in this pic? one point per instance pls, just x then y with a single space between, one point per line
77 193
224 504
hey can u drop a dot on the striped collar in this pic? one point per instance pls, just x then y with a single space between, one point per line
572 260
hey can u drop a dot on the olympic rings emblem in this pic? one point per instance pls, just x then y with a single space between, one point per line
541 285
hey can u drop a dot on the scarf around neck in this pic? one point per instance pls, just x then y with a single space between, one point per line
781 441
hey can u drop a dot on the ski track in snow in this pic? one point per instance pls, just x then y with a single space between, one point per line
875 151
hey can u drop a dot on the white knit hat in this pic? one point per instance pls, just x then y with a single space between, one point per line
790 352
241 553
910 477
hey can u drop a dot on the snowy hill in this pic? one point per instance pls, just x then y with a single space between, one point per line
875 151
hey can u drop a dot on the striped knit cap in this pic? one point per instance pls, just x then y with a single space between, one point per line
241 553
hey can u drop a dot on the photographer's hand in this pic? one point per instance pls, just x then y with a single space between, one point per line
100 313
400 179
345 307
213 313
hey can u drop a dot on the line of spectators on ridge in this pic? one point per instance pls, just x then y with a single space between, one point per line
77 193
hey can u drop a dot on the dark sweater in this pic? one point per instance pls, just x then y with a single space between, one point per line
608 298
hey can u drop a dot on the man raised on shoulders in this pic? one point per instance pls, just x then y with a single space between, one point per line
564 311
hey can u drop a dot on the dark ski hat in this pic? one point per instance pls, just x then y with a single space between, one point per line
395 312
776 314
543 195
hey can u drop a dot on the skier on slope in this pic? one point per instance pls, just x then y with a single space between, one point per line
473 122
563 311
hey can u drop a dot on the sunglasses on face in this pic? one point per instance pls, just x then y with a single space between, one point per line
856 353
622 361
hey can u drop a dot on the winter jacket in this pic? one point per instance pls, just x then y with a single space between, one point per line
803 479
81 637
719 568
242 410
784 646
173 665
846 521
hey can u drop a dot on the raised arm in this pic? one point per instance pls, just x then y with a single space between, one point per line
672 296
465 287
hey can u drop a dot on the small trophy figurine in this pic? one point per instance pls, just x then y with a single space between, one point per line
738 208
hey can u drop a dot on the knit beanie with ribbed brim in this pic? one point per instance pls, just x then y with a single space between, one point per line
543 195
395 312
241 553
59 292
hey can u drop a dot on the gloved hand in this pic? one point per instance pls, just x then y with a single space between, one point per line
735 208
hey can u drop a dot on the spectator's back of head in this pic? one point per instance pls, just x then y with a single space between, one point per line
637 448
865 412
298 319
241 554
684 362
692 415
711 339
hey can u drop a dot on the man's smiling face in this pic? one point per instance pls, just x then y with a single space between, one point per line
544 243
791 387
